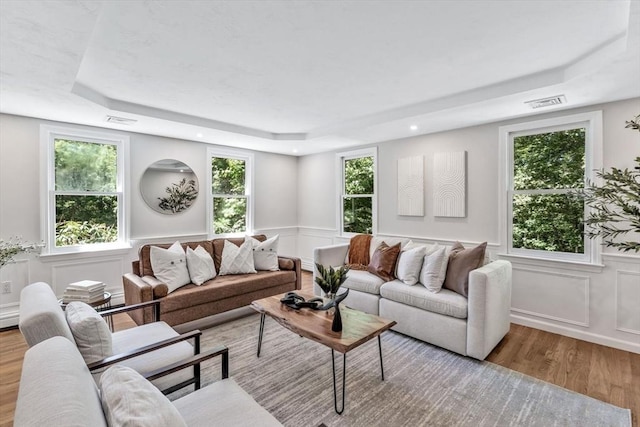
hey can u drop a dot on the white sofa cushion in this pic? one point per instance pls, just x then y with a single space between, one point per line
410 264
92 335
237 260
201 266
170 266
363 281
265 254
445 302
128 399
223 403
434 269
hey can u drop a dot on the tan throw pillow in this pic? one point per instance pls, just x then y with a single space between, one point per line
461 262
128 399
92 335
383 261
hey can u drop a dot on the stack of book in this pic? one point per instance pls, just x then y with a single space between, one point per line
86 291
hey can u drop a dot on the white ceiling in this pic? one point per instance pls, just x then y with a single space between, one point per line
311 76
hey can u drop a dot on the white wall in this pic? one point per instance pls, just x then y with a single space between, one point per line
599 304
276 200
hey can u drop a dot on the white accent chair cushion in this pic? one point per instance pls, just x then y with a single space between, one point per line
128 399
90 331
170 266
265 254
237 260
200 265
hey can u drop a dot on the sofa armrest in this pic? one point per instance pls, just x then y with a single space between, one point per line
292 263
489 307
137 291
333 255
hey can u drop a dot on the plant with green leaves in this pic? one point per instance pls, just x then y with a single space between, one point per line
330 279
615 205
181 196
15 246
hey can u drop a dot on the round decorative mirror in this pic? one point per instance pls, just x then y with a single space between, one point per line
169 186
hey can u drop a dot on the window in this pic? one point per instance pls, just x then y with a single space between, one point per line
358 204
84 186
547 163
231 204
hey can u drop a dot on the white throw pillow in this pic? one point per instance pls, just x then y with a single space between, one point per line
170 266
92 335
237 260
434 269
410 264
200 264
265 254
129 399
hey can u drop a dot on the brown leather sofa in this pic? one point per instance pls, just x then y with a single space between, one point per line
223 293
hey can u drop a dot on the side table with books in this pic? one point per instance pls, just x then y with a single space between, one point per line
90 292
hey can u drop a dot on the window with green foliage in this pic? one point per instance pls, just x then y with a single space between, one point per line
85 189
230 193
547 166
358 201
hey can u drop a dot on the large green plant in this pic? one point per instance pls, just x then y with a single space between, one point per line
615 205
181 196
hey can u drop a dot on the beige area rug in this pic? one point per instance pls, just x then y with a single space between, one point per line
424 385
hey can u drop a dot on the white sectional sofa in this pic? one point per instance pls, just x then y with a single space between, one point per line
470 325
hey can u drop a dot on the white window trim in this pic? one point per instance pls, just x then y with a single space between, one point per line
340 158
47 191
249 188
592 121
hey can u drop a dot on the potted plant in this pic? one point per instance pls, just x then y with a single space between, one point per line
330 280
615 205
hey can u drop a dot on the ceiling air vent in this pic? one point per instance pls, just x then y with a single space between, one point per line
547 102
120 120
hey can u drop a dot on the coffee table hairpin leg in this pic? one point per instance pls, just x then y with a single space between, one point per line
344 382
344 375
262 315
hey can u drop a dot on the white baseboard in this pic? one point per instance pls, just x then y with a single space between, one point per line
573 333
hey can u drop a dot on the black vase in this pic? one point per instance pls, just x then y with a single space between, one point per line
336 326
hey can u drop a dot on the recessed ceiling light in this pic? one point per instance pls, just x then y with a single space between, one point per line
295 150
413 127
199 135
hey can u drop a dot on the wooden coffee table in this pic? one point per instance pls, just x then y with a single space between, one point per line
357 328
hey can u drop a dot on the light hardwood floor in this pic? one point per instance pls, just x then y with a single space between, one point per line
601 372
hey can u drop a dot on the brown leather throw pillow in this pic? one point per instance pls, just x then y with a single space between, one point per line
461 262
383 261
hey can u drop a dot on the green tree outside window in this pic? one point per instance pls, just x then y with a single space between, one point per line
86 199
357 199
229 195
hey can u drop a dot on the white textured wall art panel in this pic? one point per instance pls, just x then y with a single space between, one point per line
449 184
411 186
628 301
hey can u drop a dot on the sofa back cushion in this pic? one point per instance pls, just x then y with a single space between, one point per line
144 254
56 388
